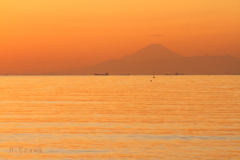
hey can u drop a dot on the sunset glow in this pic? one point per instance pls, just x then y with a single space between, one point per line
44 36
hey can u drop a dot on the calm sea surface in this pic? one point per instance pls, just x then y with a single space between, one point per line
119 117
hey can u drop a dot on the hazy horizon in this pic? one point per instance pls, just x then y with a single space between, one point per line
156 59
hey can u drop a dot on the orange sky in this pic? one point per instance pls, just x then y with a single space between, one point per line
52 35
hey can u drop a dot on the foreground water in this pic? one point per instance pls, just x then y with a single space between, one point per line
119 117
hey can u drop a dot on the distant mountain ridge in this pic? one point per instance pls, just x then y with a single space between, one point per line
155 59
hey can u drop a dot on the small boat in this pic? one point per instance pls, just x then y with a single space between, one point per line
101 74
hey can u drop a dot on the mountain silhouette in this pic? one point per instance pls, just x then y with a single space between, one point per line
155 59
149 53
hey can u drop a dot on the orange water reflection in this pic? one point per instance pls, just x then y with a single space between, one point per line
121 117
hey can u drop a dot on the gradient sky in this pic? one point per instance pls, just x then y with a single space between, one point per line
52 35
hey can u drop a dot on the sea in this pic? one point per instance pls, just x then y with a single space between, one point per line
122 117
